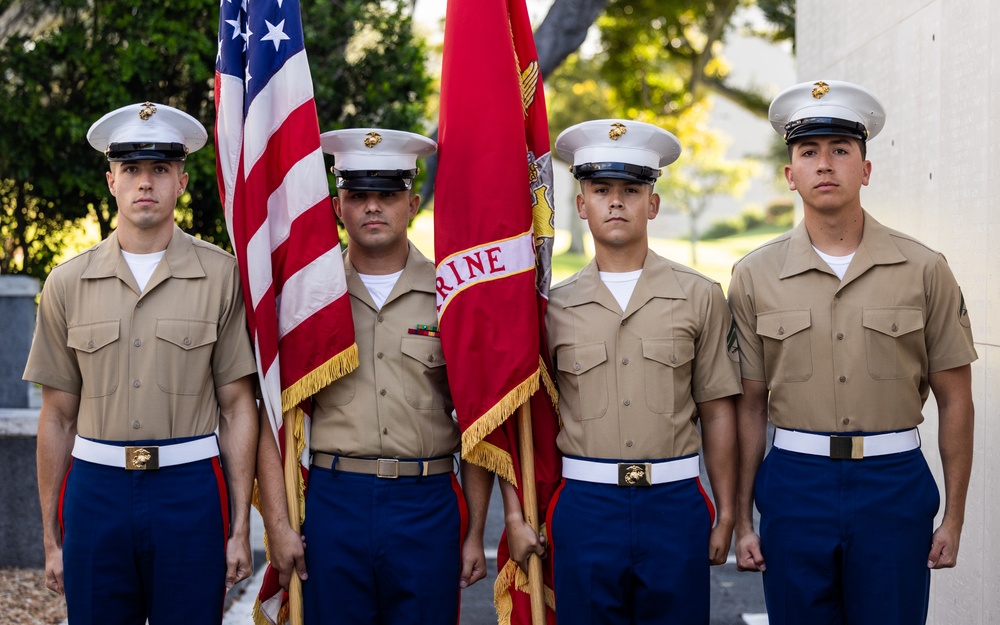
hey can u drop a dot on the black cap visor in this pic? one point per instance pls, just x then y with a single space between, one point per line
137 151
375 179
814 126
621 171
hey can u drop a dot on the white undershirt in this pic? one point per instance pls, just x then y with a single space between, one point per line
621 285
839 264
380 286
143 265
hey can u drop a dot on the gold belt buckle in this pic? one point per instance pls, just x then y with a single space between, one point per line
847 447
635 474
142 458
387 468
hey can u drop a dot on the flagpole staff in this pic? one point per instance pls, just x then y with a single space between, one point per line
292 474
529 508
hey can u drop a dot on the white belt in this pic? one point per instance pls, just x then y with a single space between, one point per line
146 457
846 447
630 473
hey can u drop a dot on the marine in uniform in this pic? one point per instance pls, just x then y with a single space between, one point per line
638 343
148 425
844 326
389 536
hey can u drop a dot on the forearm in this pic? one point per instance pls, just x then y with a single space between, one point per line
55 444
238 433
721 453
952 390
477 484
751 435
270 478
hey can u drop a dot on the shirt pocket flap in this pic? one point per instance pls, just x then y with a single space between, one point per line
425 350
670 352
893 321
781 324
186 334
580 359
93 336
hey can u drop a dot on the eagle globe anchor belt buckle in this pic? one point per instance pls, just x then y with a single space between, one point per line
635 474
142 458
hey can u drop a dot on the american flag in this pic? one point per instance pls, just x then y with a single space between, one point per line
274 190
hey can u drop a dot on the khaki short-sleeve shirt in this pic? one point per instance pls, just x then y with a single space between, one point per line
629 381
396 404
145 364
849 355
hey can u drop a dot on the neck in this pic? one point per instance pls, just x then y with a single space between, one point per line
144 241
378 264
620 260
837 234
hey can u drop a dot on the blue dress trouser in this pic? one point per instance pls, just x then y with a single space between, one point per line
382 551
145 544
631 556
846 541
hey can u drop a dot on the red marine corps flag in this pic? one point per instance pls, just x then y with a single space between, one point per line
273 184
493 230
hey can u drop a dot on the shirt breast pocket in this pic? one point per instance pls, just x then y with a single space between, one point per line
424 373
787 344
583 386
184 355
894 341
96 346
667 371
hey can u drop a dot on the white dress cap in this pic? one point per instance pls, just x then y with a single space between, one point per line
147 131
375 159
826 107
617 148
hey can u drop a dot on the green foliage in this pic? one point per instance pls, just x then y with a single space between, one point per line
752 220
65 64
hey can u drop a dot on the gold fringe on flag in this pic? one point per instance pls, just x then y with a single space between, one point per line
494 459
509 576
337 367
495 416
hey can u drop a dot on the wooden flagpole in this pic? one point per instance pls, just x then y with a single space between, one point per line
292 474
529 508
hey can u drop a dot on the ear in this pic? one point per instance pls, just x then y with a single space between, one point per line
867 167
414 205
788 177
110 175
581 207
654 205
337 210
184 183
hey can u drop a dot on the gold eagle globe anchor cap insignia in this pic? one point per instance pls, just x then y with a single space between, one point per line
617 148
826 107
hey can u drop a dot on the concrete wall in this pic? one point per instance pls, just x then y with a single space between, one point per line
935 65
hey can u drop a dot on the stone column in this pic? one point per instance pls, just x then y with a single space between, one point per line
21 520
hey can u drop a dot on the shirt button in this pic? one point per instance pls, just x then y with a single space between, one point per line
186 341
90 345
136 384
430 358
380 355
843 378
673 360
894 327
138 304
624 321
624 361
840 336
627 402
385 430
137 343
837 296
576 366
382 392
781 330
136 425
379 318
628 443
846 421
